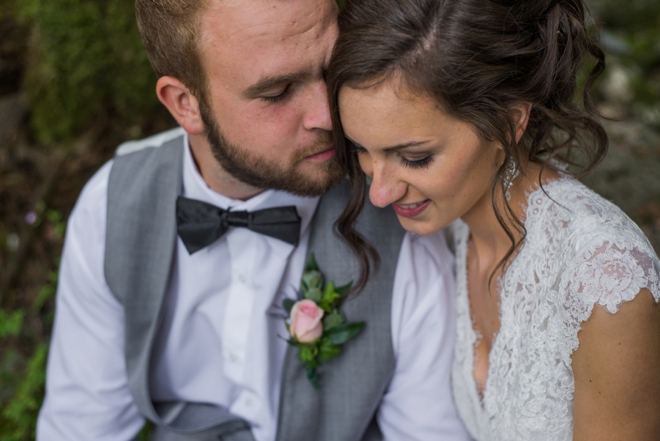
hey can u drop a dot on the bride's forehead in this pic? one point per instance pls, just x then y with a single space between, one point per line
387 104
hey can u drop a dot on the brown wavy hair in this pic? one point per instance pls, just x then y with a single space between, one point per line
477 59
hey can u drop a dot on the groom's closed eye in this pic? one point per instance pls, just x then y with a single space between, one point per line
272 87
279 95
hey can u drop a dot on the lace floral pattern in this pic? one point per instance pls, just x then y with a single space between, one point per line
580 251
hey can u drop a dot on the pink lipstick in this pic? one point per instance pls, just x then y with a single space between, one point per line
411 210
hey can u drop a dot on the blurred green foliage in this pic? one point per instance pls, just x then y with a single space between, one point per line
86 64
18 416
630 35
18 419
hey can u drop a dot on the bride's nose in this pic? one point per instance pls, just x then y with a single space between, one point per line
386 187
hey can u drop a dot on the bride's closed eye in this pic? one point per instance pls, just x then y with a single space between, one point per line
353 148
417 163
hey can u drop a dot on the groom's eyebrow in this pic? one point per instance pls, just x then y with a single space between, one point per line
265 84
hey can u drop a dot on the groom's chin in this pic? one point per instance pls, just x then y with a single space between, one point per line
312 189
316 178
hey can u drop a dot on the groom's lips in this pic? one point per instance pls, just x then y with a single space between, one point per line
323 155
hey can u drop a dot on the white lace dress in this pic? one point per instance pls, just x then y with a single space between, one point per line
583 252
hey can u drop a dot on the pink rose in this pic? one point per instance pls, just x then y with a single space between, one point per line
306 323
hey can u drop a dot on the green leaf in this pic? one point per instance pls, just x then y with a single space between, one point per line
311 264
343 333
335 318
287 304
146 431
313 377
314 294
328 302
313 364
329 288
327 349
342 290
308 352
311 279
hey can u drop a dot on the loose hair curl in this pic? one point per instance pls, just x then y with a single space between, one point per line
477 59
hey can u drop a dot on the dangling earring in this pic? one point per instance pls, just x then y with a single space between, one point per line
510 174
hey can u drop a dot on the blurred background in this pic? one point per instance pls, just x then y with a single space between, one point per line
75 82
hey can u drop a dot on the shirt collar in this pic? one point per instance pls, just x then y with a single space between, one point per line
194 187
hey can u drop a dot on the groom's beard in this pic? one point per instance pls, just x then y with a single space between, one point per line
259 173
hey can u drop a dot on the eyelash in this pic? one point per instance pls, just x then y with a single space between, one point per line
420 163
354 149
278 98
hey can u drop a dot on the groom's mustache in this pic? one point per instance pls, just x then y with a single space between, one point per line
322 143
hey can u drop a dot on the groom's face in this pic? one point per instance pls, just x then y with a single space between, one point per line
266 108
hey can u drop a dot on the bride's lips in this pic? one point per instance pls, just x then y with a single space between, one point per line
411 210
323 155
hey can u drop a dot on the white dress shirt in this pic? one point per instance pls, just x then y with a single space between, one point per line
219 343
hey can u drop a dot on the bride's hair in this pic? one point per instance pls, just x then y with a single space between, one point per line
477 59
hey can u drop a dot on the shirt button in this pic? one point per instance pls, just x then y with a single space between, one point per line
249 402
234 357
242 278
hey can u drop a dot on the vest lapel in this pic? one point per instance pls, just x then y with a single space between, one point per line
353 383
141 210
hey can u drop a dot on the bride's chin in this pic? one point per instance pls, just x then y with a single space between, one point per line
418 226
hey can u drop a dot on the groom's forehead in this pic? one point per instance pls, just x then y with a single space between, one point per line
261 35
264 18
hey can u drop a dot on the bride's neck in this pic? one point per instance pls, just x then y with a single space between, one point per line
489 239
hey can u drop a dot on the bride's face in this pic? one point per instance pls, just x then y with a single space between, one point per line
430 166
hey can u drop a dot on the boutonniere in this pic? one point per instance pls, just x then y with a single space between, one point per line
316 325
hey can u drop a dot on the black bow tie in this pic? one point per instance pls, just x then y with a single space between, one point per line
200 224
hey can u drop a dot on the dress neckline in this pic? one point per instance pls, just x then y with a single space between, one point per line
473 334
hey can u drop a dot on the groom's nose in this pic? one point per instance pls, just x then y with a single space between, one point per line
317 111
385 188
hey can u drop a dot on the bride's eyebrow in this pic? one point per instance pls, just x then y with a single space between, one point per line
392 148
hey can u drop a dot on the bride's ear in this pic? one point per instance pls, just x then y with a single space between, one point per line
520 113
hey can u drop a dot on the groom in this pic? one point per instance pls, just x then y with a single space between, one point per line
162 315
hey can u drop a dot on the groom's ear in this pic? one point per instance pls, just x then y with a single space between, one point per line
181 103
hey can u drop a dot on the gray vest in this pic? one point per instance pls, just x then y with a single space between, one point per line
145 180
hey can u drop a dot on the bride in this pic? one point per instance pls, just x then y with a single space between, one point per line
463 112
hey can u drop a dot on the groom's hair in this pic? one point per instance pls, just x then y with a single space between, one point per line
170 34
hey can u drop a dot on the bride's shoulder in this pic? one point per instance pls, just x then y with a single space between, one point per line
608 259
568 208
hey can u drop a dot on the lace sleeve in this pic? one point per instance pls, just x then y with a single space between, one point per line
609 273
